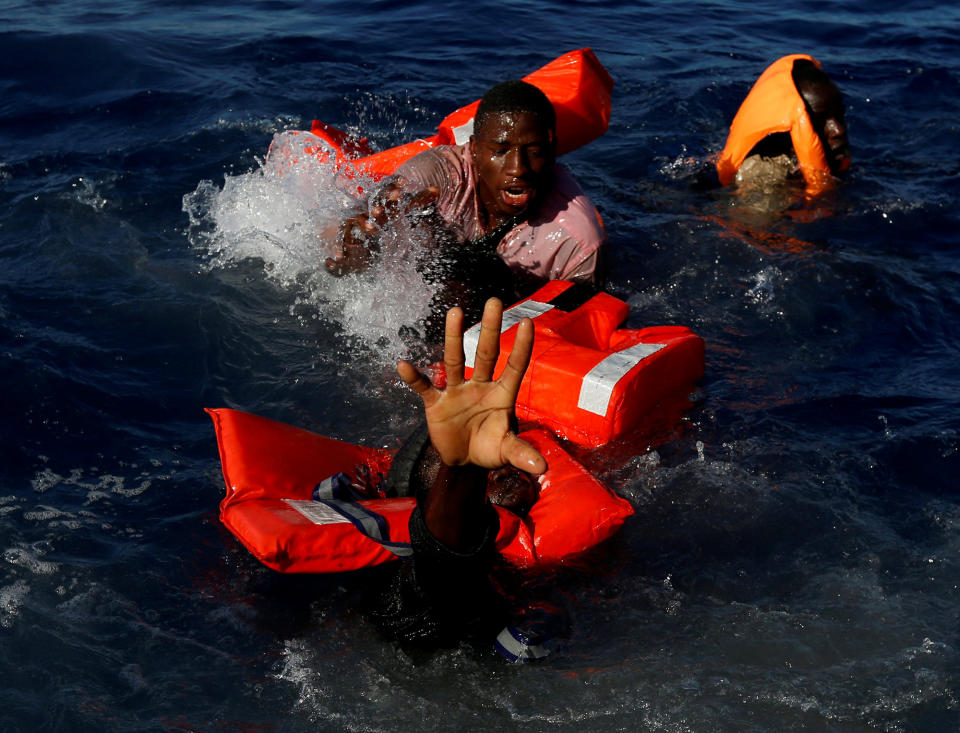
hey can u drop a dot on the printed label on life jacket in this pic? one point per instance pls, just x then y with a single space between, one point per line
317 512
511 317
599 382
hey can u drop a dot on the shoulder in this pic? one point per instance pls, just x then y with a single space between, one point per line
569 208
447 161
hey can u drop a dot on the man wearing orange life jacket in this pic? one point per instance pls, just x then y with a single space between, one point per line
790 125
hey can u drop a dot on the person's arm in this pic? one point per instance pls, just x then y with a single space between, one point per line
356 238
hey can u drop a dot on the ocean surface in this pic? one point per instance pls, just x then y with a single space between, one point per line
794 561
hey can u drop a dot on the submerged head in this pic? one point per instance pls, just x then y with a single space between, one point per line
513 489
513 148
825 106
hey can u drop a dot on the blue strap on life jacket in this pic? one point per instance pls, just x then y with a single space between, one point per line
339 486
518 646
368 523
534 634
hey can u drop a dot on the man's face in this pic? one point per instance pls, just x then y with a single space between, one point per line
513 154
825 104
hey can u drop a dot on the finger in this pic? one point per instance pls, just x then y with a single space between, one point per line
417 382
453 347
488 343
519 358
520 454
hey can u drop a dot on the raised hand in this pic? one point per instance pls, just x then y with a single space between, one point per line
471 422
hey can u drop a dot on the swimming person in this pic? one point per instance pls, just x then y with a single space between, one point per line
791 126
511 217
443 593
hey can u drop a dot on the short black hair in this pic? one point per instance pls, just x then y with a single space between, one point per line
516 96
806 72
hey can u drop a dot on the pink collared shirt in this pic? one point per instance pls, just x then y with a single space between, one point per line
560 241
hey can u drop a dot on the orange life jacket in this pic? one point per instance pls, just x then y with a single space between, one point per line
576 83
775 105
588 380
272 472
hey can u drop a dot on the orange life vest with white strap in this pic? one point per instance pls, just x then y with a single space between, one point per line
774 105
588 380
275 503
576 83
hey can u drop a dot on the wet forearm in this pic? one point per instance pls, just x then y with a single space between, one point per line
453 509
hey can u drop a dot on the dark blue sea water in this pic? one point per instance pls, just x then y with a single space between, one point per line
795 557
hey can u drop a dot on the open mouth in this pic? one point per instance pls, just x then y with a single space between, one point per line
518 197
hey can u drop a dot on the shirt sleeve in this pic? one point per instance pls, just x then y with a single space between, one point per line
571 265
426 169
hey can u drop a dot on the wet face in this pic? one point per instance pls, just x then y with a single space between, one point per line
825 104
513 154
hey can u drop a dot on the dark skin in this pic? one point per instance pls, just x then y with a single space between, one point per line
507 487
827 114
513 155
471 425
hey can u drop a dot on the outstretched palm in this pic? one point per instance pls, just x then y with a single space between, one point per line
470 422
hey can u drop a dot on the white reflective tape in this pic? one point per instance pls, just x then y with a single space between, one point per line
317 512
511 317
515 646
462 133
599 382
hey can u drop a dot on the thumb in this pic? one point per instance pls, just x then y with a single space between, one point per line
520 454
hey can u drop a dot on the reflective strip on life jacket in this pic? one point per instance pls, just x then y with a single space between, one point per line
316 511
599 382
511 317
518 647
369 524
462 133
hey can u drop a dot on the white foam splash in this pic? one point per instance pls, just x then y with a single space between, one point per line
30 559
276 214
89 193
11 599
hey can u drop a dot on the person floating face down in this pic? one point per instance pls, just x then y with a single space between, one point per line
791 126
505 215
